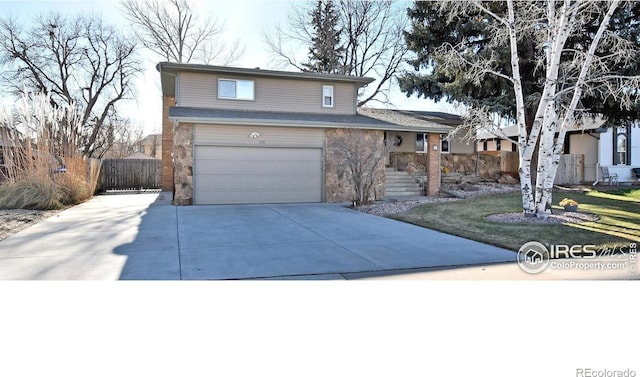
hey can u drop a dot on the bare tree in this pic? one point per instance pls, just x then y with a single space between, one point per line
79 63
122 138
174 30
372 35
571 72
363 153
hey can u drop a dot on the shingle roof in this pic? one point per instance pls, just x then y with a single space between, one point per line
219 116
434 121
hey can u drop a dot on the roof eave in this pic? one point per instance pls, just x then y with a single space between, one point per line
174 68
305 124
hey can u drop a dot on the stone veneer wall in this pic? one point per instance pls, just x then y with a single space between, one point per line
183 161
167 144
411 162
489 165
338 188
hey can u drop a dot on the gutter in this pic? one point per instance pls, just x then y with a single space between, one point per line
304 124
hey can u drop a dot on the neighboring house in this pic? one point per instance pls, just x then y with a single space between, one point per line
617 148
138 156
151 145
496 144
8 139
238 135
118 150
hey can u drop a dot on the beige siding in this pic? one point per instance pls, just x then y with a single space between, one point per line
267 136
586 145
408 141
287 95
456 146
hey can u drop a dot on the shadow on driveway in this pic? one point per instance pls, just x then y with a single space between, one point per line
142 236
296 241
154 253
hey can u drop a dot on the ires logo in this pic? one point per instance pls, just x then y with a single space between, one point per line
533 257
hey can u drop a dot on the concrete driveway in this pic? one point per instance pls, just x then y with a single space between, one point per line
143 237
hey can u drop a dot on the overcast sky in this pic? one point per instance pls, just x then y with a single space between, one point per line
244 20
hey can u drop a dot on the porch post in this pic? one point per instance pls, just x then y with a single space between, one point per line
433 165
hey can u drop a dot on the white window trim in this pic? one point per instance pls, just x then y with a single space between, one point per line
333 97
425 142
617 132
236 97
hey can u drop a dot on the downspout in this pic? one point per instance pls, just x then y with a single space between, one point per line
475 149
598 162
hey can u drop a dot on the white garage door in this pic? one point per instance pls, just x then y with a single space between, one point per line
235 164
239 175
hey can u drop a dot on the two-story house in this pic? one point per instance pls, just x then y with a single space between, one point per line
238 135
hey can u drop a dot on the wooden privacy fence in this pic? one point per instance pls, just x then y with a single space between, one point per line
128 174
509 162
570 170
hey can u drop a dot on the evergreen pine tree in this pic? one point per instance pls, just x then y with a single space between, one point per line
325 52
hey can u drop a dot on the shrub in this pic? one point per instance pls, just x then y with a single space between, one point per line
568 202
41 192
72 189
42 168
31 192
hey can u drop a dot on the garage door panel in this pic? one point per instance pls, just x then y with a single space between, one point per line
227 175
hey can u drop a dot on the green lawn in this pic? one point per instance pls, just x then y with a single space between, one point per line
619 223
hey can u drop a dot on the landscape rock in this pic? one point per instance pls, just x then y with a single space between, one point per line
466 186
388 207
507 179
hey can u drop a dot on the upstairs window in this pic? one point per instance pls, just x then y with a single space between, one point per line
236 89
327 95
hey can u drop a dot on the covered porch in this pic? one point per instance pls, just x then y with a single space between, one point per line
413 166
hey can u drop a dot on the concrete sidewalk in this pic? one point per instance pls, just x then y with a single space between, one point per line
141 236
98 239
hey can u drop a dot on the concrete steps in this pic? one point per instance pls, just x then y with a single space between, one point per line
400 183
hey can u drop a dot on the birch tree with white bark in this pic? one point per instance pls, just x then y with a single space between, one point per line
580 56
